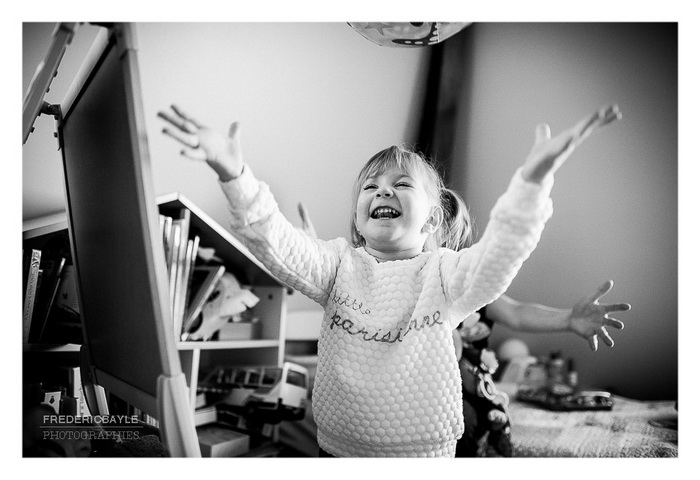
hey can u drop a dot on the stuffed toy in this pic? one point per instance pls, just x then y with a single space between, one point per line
487 426
228 300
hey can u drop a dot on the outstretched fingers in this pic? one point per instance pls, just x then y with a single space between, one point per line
614 322
189 140
610 114
181 113
179 120
617 307
602 289
184 130
542 133
606 337
610 308
234 130
593 342
194 154
588 125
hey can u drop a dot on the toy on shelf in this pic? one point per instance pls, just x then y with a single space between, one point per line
266 394
227 303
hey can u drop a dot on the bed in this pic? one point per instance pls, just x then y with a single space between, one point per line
631 429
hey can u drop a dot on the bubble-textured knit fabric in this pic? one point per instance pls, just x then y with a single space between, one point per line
388 382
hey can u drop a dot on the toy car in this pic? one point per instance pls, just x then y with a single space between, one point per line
270 394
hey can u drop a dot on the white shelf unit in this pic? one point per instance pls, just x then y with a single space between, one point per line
197 356
268 347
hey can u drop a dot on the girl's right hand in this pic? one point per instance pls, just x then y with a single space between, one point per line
223 154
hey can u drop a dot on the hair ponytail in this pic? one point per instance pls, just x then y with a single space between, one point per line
456 231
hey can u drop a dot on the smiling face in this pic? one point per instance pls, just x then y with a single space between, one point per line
402 207
394 214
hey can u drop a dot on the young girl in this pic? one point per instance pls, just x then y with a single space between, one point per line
388 383
486 422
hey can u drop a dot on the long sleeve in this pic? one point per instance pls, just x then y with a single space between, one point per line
301 262
477 275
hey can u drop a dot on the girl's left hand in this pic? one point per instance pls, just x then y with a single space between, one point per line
549 154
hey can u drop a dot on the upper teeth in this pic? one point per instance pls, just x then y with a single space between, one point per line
385 212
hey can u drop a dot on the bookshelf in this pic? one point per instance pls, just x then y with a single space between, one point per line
197 357
267 348
122 327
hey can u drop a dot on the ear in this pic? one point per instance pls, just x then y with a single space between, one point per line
434 221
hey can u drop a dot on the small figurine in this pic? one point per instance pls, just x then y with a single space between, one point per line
485 408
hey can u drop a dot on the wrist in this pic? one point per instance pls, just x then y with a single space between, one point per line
569 321
226 175
533 175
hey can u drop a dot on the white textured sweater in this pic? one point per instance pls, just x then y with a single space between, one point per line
388 383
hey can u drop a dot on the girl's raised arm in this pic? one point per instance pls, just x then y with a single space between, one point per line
484 271
294 257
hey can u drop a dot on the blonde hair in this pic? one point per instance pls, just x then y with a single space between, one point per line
455 229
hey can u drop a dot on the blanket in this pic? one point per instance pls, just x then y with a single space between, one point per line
631 429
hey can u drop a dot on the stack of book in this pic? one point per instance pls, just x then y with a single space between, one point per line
45 276
180 257
50 303
198 282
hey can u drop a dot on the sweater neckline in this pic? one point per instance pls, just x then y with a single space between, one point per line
383 262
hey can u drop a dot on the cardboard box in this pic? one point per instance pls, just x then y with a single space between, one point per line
205 415
218 441
238 331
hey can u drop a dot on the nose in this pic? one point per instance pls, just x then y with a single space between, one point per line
384 192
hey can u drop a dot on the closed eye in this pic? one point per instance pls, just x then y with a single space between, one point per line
369 187
404 184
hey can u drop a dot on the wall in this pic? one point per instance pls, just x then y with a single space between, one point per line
315 101
42 170
615 201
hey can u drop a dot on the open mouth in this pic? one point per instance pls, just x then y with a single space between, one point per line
384 212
